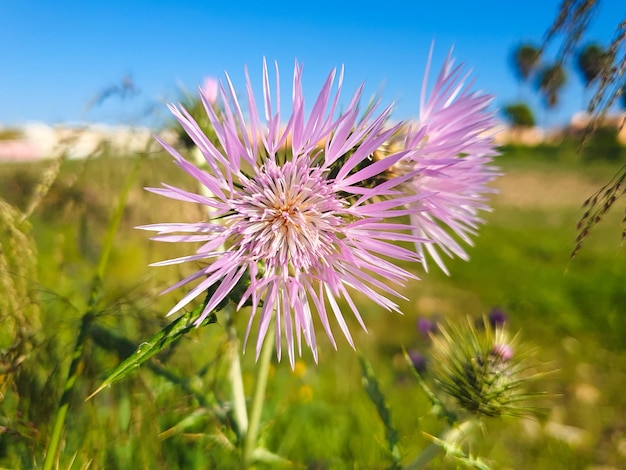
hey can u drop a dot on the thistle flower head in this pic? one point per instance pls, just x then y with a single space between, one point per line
451 148
483 370
290 210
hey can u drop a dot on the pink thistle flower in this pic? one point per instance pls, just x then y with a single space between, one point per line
503 352
295 209
453 147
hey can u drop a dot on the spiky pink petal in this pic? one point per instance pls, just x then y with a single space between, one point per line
452 149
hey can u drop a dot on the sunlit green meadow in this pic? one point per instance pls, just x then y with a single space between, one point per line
571 312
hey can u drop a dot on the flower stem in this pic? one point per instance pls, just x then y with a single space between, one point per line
236 379
259 396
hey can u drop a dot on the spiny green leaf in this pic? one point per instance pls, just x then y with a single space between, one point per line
173 331
370 383
154 345
453 450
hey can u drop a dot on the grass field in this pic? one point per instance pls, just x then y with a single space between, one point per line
318 416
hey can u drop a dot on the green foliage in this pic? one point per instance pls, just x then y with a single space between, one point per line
603 144
519 115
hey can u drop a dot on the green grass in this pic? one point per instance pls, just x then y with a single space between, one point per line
570 311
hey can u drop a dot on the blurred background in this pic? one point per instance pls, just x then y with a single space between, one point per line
83 87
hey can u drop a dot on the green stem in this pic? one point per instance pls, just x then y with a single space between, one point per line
259 396
88 317
452 436
236 379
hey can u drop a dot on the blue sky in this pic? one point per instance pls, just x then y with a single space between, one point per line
56 56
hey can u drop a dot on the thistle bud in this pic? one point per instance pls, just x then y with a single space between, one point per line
426 326
480 369
418 361
497 317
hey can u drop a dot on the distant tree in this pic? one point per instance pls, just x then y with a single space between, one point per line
590 62
568 29
550 81
519 115
525 60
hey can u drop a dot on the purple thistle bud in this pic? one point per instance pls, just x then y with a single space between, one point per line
426 326
480 368
420 364
497 317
